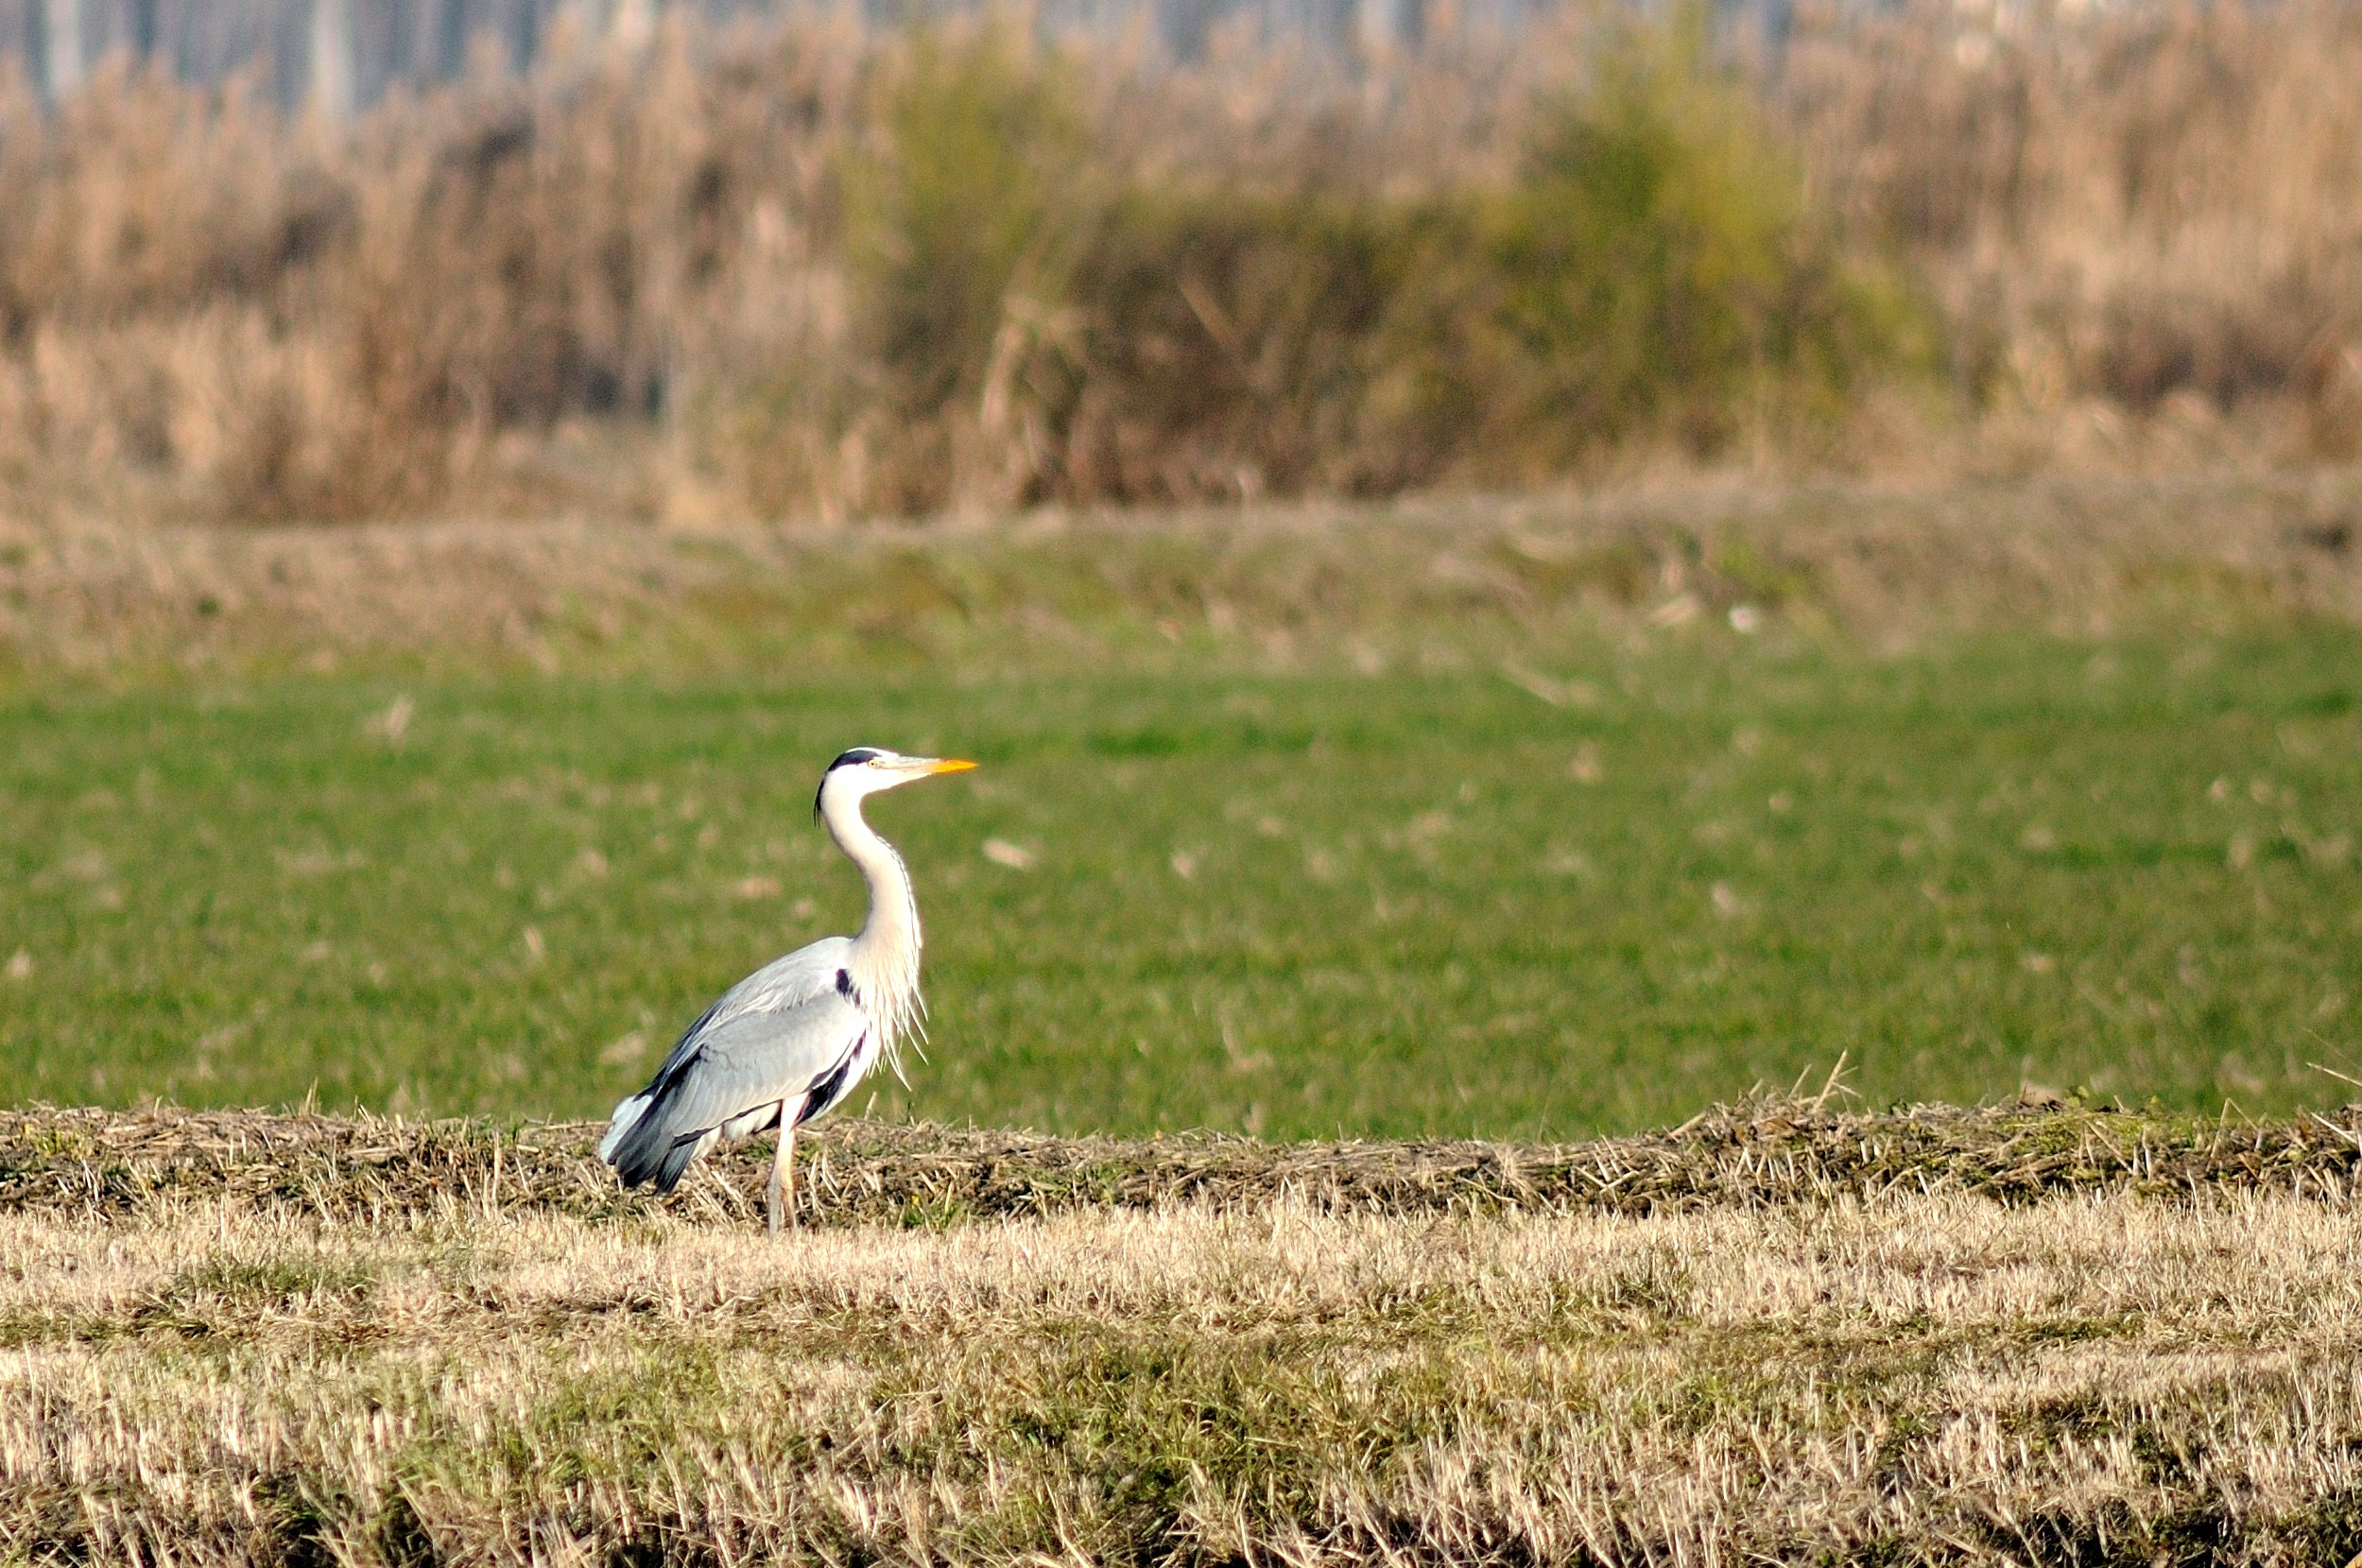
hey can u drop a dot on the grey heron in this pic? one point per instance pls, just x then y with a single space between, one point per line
790 1041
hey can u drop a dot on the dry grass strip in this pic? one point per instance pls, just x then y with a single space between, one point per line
1784 1332
1770 1150
2083 1379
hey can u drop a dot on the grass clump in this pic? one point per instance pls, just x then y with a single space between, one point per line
1659 271
962 211
954 218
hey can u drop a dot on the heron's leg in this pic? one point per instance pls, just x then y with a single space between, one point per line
784 1168
787 1163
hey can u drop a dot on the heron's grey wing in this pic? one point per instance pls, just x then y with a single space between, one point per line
815 969
740 1061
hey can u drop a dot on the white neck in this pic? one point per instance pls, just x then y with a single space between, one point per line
885 961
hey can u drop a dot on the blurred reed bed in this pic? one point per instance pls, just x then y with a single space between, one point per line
821 270
2149 219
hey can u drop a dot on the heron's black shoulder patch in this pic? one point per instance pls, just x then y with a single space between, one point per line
831 1086
844 985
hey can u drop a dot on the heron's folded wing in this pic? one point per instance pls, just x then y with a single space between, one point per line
808 973
754 1060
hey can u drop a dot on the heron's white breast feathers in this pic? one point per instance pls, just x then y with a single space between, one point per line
884 960
885 988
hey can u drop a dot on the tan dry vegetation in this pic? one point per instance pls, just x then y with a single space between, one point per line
1767 1153
1444 579
822 270
217 1375
2145 223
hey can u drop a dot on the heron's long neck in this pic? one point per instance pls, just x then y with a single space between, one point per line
884 962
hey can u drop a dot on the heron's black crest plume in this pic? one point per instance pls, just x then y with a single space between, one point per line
844 759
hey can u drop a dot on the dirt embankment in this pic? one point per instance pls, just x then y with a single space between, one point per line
2080 558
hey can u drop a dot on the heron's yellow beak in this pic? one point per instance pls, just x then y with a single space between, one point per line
949 764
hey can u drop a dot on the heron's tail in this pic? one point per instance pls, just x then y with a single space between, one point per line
644 1147
619 1125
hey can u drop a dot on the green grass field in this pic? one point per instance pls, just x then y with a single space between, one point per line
1288 903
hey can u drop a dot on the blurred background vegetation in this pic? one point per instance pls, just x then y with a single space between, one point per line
825 270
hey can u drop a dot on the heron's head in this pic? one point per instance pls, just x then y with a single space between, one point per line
866 770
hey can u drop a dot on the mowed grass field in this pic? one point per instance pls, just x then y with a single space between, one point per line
1594 890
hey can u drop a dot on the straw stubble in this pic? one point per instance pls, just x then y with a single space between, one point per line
430 1342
